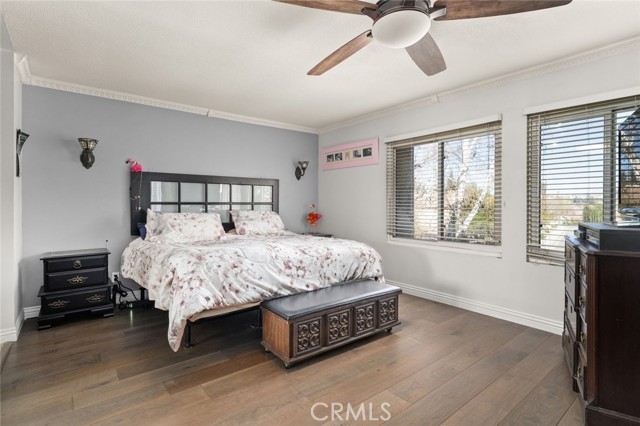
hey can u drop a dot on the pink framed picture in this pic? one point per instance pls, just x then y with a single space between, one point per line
363 153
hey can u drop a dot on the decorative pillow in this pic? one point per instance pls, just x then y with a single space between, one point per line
142 229
185 227
257 222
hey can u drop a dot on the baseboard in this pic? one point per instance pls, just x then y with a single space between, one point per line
8 335
31 312
11 334
534 321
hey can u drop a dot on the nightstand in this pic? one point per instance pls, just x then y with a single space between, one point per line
75 281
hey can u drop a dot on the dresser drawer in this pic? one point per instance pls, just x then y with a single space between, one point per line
75 263
581 300
66 301
75 279
570 315
582 269
570 285
581 336
570 352
581 369
571 256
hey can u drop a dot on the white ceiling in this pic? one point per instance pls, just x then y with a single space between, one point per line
250 58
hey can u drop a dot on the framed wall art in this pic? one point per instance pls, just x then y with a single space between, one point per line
354 154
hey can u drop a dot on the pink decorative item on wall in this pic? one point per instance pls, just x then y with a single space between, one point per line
363 153
135 167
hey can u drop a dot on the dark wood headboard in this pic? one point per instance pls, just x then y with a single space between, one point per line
140 194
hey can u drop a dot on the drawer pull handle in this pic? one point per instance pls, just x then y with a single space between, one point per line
59 304
95 298
581 269
583 337
77 264
77 280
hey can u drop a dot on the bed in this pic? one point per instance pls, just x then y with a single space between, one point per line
209 269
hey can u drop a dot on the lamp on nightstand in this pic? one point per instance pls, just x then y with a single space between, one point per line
302 166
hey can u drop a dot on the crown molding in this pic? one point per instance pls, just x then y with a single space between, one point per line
424 101
22 64
587 56
258 121
112 94
613 49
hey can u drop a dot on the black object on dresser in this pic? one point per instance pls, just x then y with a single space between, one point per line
601 337
75 281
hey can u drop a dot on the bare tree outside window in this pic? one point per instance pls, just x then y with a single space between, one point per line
451 179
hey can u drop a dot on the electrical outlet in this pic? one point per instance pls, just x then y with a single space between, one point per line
115 276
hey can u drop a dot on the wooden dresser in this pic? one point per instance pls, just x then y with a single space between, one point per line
601 337
74 281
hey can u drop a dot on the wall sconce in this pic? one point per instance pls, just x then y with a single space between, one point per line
21 138
87 158
302 166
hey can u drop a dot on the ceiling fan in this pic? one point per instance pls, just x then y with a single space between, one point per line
405 24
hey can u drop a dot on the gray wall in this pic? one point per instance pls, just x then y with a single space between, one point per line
68 207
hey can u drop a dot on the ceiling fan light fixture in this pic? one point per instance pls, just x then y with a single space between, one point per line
401 28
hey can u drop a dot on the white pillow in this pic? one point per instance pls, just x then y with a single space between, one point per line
151 222
184 227
257 222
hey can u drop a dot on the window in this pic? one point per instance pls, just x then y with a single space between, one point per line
446 186
572 177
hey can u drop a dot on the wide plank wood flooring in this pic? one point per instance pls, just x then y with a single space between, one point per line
442 365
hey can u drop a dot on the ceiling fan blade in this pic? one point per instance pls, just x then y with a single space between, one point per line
427 55
342 53
464 9
346 6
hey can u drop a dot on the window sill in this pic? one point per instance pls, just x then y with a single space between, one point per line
489 251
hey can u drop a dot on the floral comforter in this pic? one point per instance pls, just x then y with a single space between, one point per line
185 279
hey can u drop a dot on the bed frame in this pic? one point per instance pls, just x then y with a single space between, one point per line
141 199
140 194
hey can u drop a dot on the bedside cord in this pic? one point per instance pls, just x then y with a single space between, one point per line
123 304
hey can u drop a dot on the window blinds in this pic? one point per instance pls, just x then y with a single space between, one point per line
571 172
446 186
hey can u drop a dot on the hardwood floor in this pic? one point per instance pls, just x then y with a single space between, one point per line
442 365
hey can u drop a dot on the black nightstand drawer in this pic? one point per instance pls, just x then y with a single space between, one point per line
66 301
75 279
75 263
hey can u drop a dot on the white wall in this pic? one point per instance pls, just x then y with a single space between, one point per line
352 200
10 193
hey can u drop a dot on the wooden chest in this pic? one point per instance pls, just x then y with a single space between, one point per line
303 325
